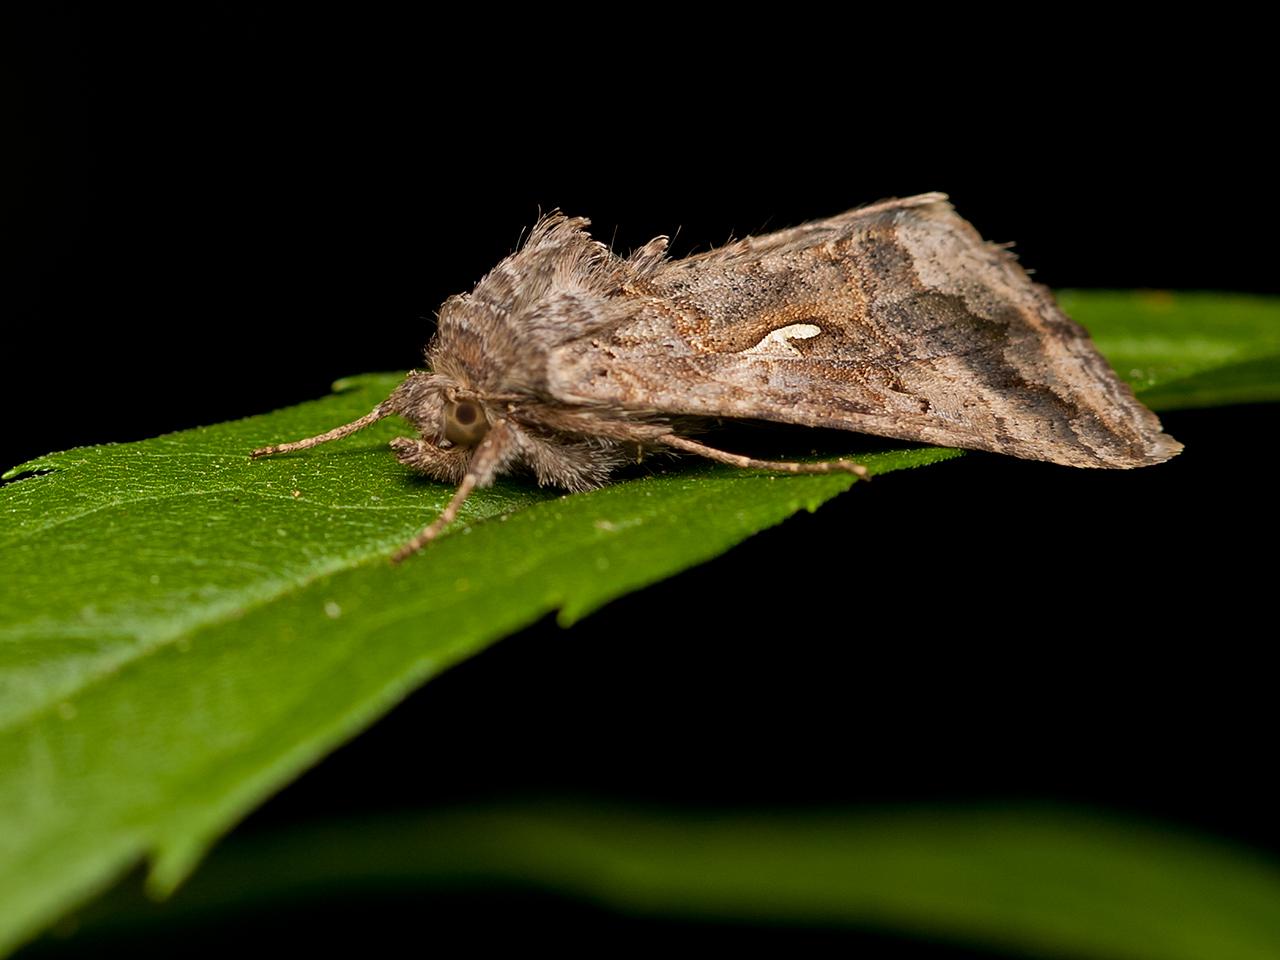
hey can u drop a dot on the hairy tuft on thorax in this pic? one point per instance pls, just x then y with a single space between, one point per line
561 285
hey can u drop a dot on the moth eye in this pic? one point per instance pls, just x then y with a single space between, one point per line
465 423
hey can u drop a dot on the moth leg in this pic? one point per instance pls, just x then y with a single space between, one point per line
410 451
444 464
776 466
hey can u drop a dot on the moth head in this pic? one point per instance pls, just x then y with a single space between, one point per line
450 419
446 414
464 422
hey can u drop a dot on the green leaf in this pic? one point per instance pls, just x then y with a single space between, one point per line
1038 881
182 631
1187 349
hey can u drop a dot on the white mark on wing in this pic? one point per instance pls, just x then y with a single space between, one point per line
777 343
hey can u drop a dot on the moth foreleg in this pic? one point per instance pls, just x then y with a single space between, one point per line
443 464
751 463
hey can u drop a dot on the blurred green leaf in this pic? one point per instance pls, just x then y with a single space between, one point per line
182 631
1039 882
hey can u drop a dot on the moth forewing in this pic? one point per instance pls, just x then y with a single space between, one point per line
897 320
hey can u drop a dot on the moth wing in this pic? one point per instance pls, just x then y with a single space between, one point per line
897 320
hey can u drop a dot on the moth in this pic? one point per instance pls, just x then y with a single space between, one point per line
895 319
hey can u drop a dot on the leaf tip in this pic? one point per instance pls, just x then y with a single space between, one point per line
360 381
171 864
32 468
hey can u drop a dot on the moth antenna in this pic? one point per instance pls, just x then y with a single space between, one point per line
447 516
381 411
751 463
490 458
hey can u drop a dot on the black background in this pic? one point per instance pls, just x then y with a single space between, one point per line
219 212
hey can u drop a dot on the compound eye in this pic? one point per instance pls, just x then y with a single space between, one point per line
465 423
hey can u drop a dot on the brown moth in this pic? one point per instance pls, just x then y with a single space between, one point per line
894 319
